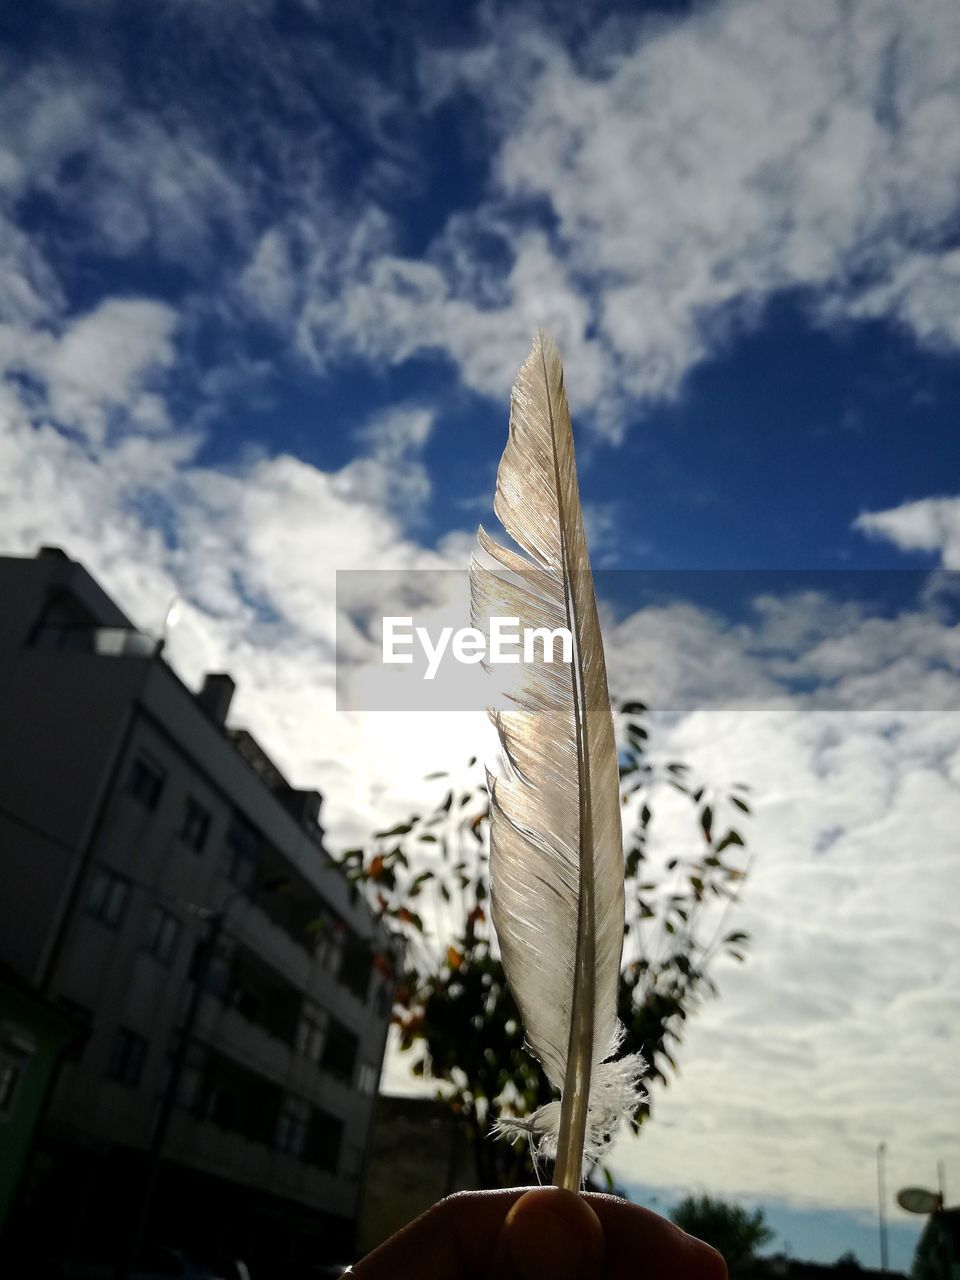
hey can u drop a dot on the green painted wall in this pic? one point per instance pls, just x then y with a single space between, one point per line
33 1035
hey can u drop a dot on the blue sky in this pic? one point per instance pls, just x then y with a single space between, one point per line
818 1235
267 270
766 421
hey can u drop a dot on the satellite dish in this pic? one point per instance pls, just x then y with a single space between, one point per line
919 1200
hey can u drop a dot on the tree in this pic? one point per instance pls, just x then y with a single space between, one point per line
732 1230
427 880
848 1262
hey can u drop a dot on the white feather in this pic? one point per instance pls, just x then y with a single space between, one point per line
556 862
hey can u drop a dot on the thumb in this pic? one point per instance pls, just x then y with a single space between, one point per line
549 1233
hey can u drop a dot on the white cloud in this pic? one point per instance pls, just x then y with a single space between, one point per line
930 524
130 178
841 1030
694 169
103 364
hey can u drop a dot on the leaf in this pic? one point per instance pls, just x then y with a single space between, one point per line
741 804
732 837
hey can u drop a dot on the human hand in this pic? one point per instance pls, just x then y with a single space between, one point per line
543 1234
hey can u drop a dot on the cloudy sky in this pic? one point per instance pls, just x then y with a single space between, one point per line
267 268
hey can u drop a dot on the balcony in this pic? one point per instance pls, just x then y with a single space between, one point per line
229 1032
106 642
228 1154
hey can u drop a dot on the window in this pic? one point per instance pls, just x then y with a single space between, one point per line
64 624
326 1137
367 1078
82 1017
312 1032
145 781
384 1000
340 1054
223 1107
108 896
243 844
331 937
217 971
163 929
356 966
195 825
293 1126
192 1075
126 1058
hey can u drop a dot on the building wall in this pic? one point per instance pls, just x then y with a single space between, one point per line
419 1153
77 729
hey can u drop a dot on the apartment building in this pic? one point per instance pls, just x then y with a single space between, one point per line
134 825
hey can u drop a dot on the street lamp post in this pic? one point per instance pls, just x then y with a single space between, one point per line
205 956
882 1203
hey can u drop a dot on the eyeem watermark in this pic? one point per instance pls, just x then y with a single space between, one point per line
407 640
506 644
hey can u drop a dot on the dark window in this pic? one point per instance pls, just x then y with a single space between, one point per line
356 966
243 844
293 1126
330 934
126 1058
224 1108
196 824
107 898
384 1000
145 782
64 624
192 1075
217 970
326 1136
82 1017
247 1003
163 929
312 1032
340 1054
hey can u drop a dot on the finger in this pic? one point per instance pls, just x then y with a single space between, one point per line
549 1232
641 1243
452 1241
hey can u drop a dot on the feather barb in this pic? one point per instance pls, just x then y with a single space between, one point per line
556 864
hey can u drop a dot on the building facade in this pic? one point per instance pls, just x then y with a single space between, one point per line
131 820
